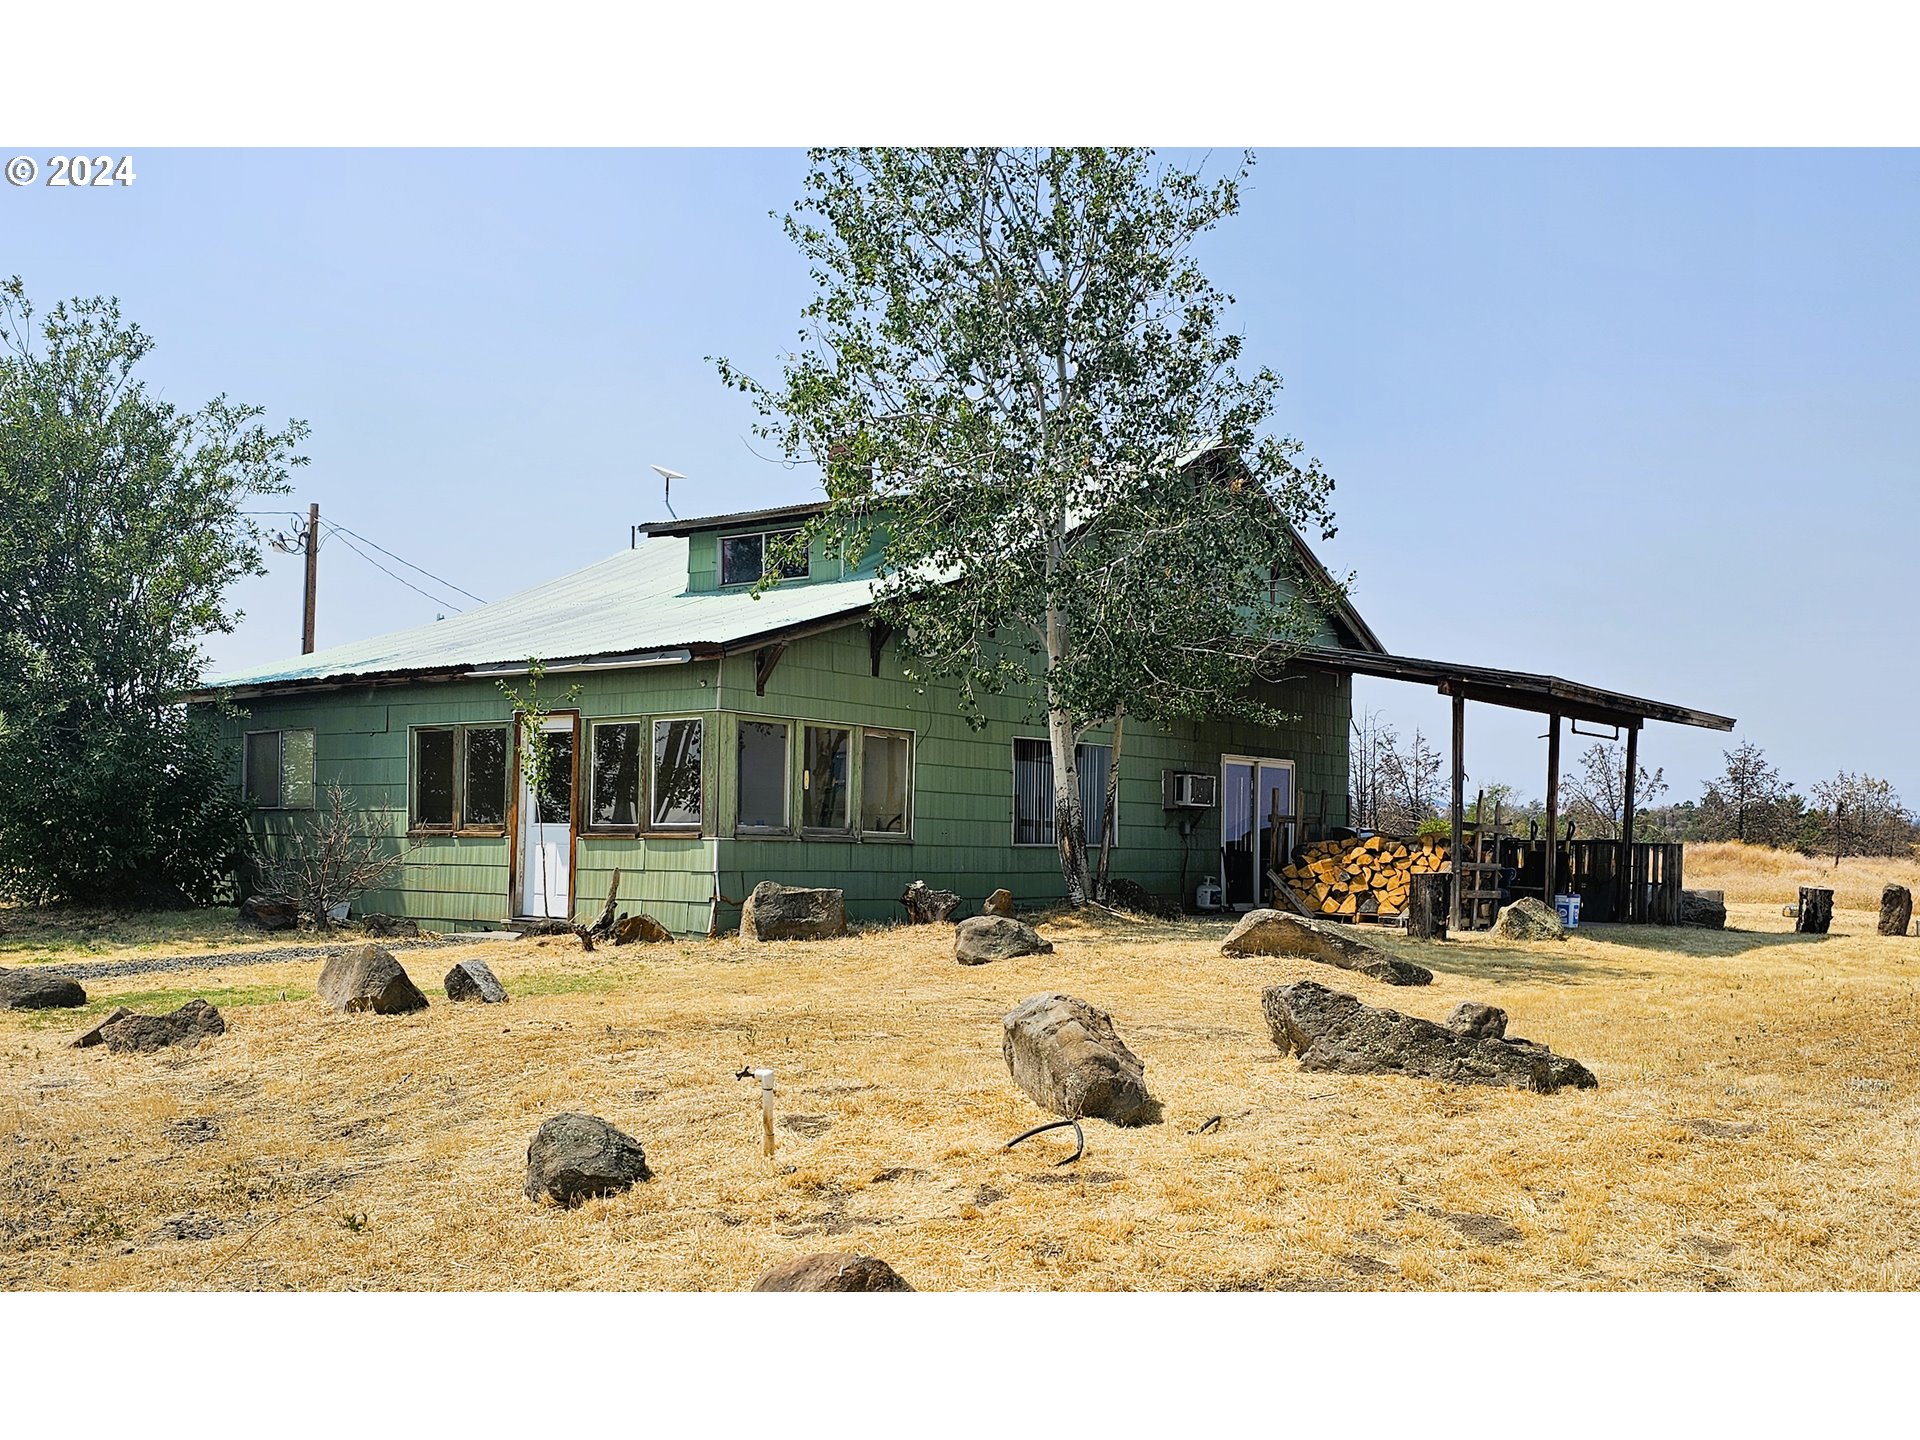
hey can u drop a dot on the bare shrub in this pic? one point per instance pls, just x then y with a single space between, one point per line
331 861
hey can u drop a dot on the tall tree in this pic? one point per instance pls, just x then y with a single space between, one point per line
1746 801
1861 815
1022 394
120 533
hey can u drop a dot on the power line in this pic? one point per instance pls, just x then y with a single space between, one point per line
438 579
438 600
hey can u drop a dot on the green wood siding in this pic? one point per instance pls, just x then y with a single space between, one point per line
962 804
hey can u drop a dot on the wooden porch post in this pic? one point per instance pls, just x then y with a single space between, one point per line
1629 890
1553 804
1455 854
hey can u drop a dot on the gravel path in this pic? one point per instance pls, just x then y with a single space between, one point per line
224 959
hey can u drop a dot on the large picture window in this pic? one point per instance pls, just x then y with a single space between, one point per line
459 779
676 774
278 769
743 558
1033 790
823 780
763 775
615 775
886 771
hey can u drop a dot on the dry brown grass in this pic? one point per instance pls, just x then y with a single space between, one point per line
1755 1125
1755 875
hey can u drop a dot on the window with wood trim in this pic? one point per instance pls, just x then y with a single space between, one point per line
762 775
458 779
277 769
616 775
744 558
827 753
1033 790
677 802
886 781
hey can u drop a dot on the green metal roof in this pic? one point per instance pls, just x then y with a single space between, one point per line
633 607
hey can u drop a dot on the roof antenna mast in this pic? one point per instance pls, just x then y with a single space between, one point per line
667 477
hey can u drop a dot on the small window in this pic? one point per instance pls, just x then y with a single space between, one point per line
743 558
823 781
278 769
885 782
763 775
459 778
616 776
676 773
483 796
1033 790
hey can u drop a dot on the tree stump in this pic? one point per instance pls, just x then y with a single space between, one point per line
1896 909
1816 911
927 906
1427 897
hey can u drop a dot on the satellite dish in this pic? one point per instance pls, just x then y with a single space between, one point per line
667 478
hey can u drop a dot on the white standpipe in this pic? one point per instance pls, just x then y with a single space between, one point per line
765 1077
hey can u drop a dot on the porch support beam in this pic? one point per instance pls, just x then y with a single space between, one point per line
1629 891
1553 804
1458 815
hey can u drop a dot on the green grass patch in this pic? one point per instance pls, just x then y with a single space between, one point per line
568 982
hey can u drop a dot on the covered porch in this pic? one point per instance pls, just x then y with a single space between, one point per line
1633 883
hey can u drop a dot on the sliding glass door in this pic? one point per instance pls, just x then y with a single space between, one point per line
1256 825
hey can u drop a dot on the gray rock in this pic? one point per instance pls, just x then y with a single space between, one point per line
1066 1054
472 980
641 929
1331 1031
189 1025
1529 919
1706 909
94 1037
833 1271
1896 910
1275 932
575 1157
927 906
1470 1017
388 927
269 914
39 990
791 912
981 938
369 979
998 903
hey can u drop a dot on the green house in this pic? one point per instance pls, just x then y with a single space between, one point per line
719 739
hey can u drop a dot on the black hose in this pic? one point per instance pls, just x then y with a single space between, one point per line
1079 1138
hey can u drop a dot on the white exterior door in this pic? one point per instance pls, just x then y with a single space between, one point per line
546 831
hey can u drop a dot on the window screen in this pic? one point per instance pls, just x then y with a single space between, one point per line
1033 790
483 800
740 559
763 775
616 775
823 783
884 780
433 778
279 769
676 772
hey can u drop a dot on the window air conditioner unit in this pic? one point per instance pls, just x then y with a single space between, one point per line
1189 790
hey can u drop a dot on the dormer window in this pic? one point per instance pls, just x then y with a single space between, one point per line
743 558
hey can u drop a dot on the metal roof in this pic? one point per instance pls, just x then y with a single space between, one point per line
631 608
777 513
1515 689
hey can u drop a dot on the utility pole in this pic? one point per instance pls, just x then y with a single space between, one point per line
313 576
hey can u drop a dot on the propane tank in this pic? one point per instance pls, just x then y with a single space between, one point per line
1206 895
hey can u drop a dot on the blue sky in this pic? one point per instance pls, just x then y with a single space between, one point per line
1642 419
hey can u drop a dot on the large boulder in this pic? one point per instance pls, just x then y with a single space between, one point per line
1066 1054
39 990
472 980
97 1036
368 979
1529 919
981 938
1275 932
574 1157
1331 1031
189 1025
832 1271
998 903
641 929
792 912
269 914
1705 908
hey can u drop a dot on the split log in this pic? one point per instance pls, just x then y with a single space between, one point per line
1896 910
927 906
1816 911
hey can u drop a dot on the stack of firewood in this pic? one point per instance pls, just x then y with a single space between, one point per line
1351 878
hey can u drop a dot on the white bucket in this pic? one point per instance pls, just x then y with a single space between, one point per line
1569 908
